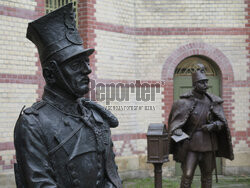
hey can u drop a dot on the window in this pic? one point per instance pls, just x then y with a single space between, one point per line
189 65
54 4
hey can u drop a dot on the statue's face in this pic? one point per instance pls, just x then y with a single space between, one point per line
76 73
201 86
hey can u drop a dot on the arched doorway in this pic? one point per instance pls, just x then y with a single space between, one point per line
183 80
183 83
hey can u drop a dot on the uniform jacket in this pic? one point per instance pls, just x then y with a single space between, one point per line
180 112
57 147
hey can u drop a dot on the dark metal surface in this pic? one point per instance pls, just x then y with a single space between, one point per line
157 141
64 140
199 74
158 174
201 116
157 138
156 129
56 34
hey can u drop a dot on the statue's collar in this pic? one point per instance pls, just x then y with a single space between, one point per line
213 98
190 94
60 102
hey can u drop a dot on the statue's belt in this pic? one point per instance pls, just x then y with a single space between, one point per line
97 135
53 150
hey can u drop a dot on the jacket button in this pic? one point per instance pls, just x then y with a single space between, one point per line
76 182
99 175
66 122
99 165
74 174
71 166
99 157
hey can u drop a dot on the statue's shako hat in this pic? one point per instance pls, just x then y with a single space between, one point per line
56 36
199 74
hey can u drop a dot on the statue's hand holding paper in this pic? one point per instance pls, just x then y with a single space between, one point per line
179 135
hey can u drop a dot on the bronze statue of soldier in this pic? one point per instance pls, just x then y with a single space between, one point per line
64 140
198 131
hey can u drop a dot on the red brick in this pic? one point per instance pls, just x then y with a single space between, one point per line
12 161
5 167
240 134
17 12
6 146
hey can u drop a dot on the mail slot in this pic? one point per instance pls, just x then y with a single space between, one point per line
157 143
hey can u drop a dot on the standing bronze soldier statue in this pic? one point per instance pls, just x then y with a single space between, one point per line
199 131
64 140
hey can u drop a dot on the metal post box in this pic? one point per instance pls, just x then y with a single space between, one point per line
157 143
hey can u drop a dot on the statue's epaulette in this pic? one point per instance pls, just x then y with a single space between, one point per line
216 99
187 95
34 108
105 114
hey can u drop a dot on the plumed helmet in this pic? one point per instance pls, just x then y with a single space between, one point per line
199 74
55 35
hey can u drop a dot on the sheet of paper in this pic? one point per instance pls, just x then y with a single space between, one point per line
179 138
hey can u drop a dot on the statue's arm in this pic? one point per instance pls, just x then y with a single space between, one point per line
219 117
178 117
32 154
213 126
218 120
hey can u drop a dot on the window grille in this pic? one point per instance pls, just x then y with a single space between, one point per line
189 65
54 4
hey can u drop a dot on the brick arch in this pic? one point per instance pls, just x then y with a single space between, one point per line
203 49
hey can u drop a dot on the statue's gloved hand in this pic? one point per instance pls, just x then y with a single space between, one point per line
209 127
214 126
178 132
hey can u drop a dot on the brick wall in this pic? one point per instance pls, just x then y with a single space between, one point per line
20 77
190 13
116 12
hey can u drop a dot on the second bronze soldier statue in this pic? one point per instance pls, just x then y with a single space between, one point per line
199 115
